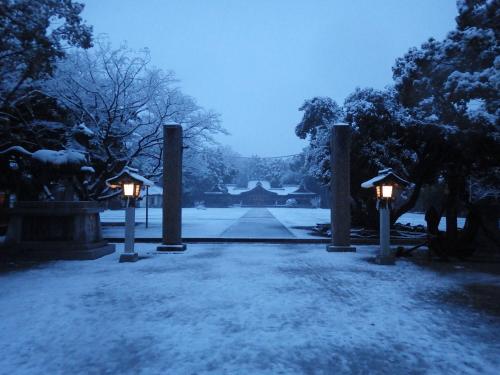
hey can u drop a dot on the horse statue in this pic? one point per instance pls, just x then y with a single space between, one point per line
51 166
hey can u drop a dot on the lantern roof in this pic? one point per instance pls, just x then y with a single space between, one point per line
385 176
128 175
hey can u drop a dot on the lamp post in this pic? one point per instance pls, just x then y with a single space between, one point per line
385 184
131 184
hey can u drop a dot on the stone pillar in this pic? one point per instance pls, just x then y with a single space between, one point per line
172 189
340 211
385 255
129 255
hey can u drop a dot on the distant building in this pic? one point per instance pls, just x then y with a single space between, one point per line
154 196
260 194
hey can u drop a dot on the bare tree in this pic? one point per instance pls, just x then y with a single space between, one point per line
125 101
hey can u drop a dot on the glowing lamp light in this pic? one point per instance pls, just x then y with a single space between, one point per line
384 191
131 189
387 191
128 190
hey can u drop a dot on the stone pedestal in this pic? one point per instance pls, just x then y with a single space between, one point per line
56 230
340 146
385 255
172 190
129 255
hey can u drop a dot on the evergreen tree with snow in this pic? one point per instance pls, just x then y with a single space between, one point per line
451 90
319 114
441 119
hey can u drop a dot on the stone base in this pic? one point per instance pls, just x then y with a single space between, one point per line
166 248
385 260
44 251
340 249
129 257
56 230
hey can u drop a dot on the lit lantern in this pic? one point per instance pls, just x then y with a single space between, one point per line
128 189
385 184
132 189
384 191
387 191
131 184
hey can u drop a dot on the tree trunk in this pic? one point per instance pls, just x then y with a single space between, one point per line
409 204
4 218
364 214
452 188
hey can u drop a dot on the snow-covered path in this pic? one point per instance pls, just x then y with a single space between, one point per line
247 309
213 222
257 222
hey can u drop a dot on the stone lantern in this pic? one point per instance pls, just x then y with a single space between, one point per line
385 185
131 183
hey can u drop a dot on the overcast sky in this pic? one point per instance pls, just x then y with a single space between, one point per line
255 61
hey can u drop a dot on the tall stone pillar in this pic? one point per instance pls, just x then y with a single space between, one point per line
172 189
340 212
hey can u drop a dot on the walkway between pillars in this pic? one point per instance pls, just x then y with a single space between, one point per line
258 222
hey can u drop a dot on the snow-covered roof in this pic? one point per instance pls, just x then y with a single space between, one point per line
285 190
130 173
384 176
303 190
153 190
253 183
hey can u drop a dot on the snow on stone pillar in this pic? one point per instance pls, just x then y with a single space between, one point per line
172 189
340 211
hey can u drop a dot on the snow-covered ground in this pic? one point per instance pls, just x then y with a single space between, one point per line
211 222
247 309
195 222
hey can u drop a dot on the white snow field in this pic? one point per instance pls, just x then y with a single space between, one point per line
212 222
248 309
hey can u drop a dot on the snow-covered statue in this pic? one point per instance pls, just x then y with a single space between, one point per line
65 166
